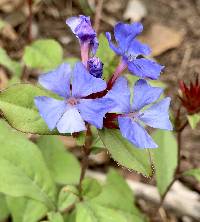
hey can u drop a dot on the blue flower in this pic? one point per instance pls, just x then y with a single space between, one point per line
82 28
69 113
95 67
133 115
131 50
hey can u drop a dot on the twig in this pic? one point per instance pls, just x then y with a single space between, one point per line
30 20
98 12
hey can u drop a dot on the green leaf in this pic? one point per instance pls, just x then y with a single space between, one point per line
165 158
89 212
63 165
45 54
193 120
107 56
14 67
17 106
125 153
115 203
193 172
97 143
67 197
24 209
55 217
117 195
4 211
90 188
22 168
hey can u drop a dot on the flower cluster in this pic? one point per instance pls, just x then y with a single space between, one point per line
84 97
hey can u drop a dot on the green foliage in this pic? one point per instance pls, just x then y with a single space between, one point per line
55 217
125 153
90 188
24 209
114 203
107 56
17 105
67 197
194 120
63 165
165 158
4 211
22 168
193 172
14 67
45 54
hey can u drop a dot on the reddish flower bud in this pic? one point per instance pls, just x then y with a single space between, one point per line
190 96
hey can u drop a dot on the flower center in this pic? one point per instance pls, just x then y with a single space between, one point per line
133 115
72 101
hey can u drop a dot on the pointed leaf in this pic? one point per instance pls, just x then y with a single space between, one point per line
165 158
63 165
125 153
22 168
45 54
67 197
17 105
90 188
24 209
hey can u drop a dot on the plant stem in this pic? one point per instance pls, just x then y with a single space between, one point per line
30 20
85 160
118 71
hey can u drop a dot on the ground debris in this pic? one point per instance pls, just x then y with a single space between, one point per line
135 11
162 38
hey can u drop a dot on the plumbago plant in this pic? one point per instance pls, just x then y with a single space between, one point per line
103 106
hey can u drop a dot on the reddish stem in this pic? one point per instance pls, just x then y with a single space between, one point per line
84 52
118 71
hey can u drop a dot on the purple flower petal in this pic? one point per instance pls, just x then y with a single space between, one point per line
94 45
71 122
58 80
145 68
135 133
157 115
116 49
144 94
93 110
51 110
84 84
82 28
136 48
125 33
73 22
120 94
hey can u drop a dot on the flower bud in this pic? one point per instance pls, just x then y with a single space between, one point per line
95 67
